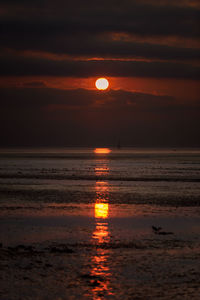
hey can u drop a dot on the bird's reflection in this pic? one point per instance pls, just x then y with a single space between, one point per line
100 271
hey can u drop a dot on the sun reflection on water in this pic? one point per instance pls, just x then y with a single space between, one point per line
101 170
100 271
101 210
102 150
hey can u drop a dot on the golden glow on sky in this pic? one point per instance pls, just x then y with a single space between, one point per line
102 150
102 83
180 88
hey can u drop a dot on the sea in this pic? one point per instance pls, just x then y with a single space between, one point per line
121 182
100 223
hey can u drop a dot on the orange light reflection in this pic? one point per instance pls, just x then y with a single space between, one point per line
101 191
101 235
101 210
101 171
101 271
102 150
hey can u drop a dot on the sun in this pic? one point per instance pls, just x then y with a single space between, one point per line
102 83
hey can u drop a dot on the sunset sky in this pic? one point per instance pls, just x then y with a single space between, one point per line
52 52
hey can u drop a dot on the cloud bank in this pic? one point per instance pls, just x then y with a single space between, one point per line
46 117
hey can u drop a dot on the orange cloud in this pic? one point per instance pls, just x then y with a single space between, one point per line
184 89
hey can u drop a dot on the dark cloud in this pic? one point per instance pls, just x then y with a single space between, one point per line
64 17
85 29
49 117
41 98
30 66
105 47
55 38
36 84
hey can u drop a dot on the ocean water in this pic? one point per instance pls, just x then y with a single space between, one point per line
101 204
74 176
130 189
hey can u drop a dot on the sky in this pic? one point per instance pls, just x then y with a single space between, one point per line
52 52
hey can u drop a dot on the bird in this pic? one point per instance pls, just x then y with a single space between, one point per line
156 229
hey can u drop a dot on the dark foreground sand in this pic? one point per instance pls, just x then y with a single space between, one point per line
162 270
101 260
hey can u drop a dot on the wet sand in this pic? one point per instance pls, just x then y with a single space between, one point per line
100 251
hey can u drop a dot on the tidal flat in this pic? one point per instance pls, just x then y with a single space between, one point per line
80 252
79 225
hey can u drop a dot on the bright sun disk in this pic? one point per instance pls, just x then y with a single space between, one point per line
102 83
